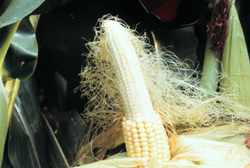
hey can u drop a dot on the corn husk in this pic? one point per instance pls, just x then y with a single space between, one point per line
221 147
235 62
216 37
210 70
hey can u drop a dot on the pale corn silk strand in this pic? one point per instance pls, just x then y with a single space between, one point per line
179 100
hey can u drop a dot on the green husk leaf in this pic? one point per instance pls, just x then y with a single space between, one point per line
210 71
235 62
14 10
216 37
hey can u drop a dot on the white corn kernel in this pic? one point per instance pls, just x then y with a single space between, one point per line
141 125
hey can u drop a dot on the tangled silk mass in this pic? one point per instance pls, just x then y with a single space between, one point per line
203 131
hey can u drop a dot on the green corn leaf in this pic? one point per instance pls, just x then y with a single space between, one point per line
21 58
57 159
11 88
26 140
47 6
65 131
14 10
3 119
6 35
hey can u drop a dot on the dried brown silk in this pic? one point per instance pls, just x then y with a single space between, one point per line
218 26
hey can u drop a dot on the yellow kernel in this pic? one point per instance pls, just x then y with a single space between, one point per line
137 144
166 146
140 125
135 136
164 160
158 141
165 156
159 151
129 134
148 125
128 122
127 129
151 140
157 137
159 146
138 120
152 145
153 149
124 132
143 135
157 132
162 129
151 135
137 150
146 158
147 120
132 155
130 147
133 130
133 125
129 139
136 140
137 155
144 154
141 130
159 161
143 144
145 149
149 130
123 124
130 143
151 154
155 127
160 123
143 140
159 156
145 163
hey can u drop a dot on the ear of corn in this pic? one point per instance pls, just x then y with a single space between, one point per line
144 134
